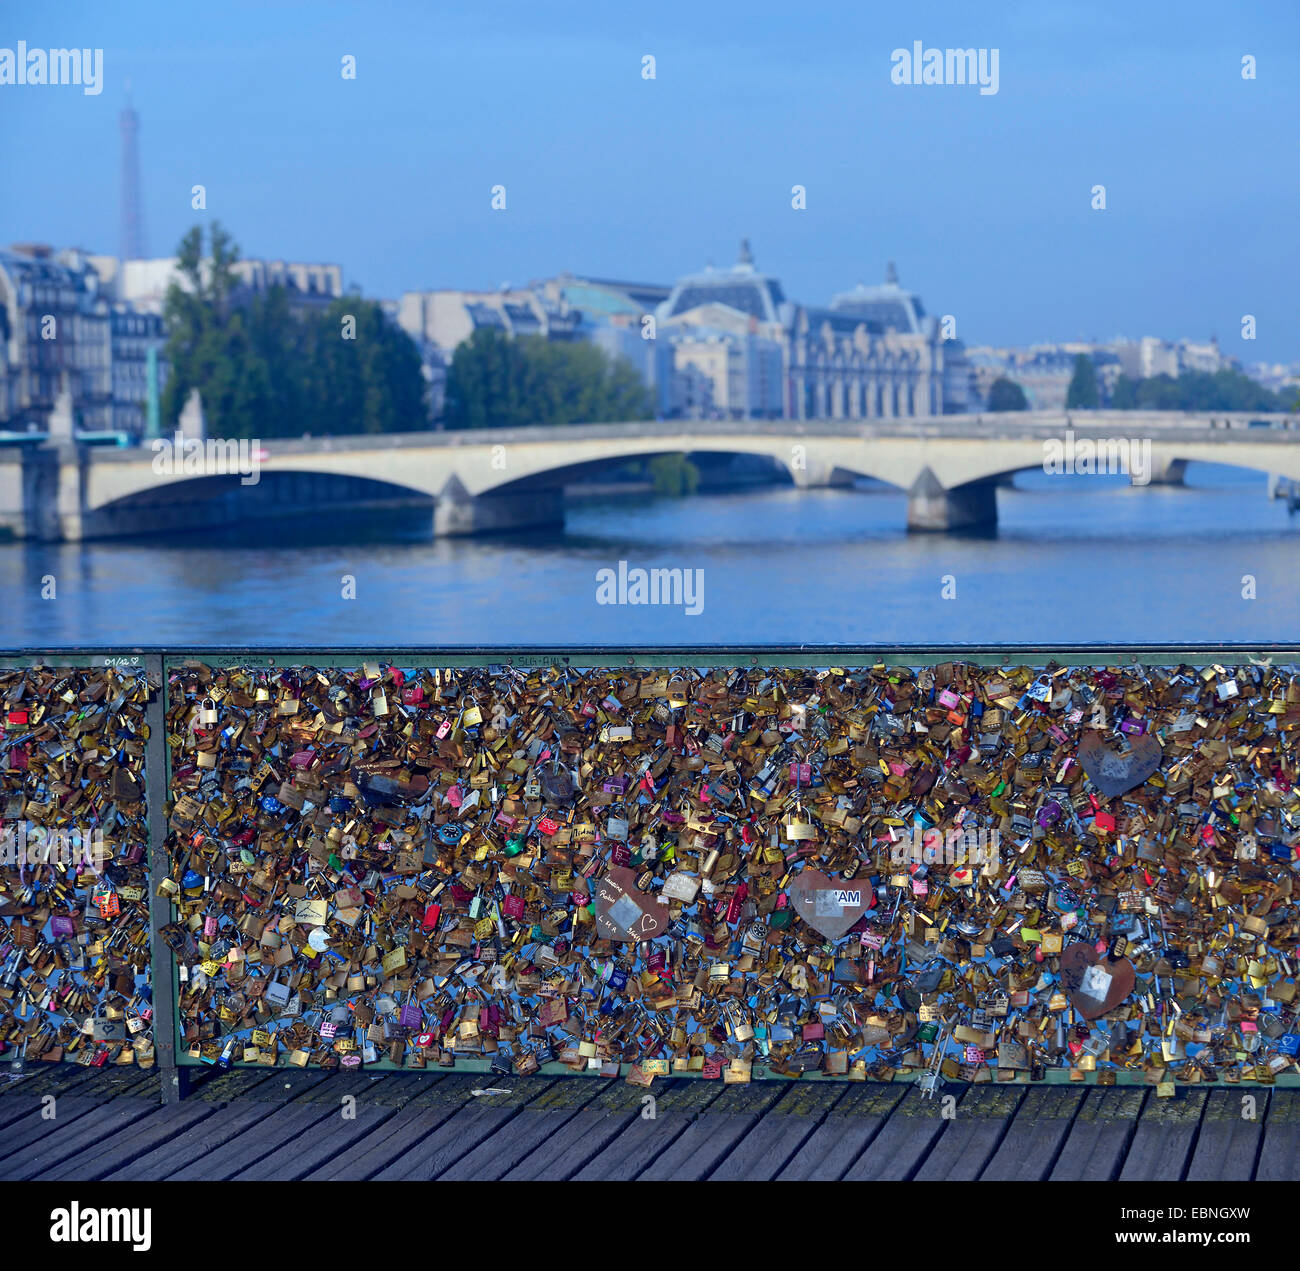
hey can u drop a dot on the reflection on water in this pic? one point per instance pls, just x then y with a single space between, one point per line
1074 559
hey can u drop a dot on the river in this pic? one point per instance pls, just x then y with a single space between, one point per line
1074 559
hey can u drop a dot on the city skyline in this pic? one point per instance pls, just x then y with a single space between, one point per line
983 200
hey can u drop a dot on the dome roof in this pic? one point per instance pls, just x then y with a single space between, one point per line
886 307
741 287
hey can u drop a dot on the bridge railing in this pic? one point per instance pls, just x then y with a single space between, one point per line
711 862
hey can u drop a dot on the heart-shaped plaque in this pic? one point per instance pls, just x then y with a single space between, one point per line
828 906
1114 773
1095 984
623 912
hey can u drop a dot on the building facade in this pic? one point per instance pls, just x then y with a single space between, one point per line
872 353
143 284
446 318
56 331
60 328
135 337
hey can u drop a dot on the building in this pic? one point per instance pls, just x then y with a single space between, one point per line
1043 371
600 299
1151 356
143 284
872 353
136 338
624 336
56 328
60 326
445 318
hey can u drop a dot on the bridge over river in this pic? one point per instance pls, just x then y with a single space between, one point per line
493 480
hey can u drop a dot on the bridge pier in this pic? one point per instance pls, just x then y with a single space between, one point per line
931 507
458 513
819 476
1165 472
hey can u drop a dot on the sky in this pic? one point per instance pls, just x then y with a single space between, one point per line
984 201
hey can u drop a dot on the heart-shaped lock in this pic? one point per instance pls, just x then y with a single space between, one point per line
1114 773
1095 984
826 905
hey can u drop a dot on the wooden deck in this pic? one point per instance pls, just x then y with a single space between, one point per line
287 1124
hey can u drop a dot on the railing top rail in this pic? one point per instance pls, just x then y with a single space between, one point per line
1255 425
814 655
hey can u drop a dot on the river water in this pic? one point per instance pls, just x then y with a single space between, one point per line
1074 559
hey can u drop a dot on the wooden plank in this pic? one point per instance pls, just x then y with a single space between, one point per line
1029 1148
904 1141
474 1120
968 1141
1099 1138
618 1107
327 1139
840 1139
161 1125
1164 1137
258 1094
699 1148
1279 1158
317 1098
21 1135
677 1103
775 1138
64 1139
21 1097
421 1115
545 1117
1229 1142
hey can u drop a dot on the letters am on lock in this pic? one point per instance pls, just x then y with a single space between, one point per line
699 871
74 886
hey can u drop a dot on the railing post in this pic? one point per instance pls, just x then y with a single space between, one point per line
162 964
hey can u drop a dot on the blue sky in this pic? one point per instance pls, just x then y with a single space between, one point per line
983 201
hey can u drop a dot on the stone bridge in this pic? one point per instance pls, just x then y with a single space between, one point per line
481 481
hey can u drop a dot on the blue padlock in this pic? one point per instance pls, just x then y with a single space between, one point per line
1289 1044
270 804
191 879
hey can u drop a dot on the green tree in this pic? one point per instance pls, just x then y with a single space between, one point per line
1083 393
1005 394
674 474
498 382
265 370
209 346
1226 389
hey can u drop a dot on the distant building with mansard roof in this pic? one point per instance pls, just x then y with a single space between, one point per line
872 353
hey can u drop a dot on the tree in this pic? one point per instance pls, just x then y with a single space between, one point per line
498 382
1083 393
265 370
1226 389
208 343
1005 394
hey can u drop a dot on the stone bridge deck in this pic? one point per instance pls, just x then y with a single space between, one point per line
480 481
